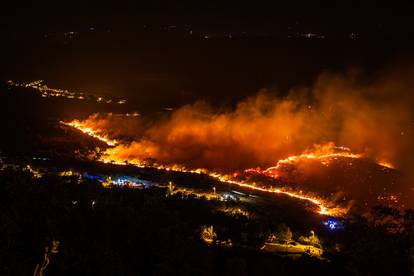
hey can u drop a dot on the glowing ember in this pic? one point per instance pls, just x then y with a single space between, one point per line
91 132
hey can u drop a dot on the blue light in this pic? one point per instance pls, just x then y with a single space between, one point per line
333 224
228 196
94 177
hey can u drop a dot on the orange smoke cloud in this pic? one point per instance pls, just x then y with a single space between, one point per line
259 131
372 118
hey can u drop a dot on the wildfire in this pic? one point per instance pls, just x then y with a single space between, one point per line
91 132
324 208
322 153
325 154
385 164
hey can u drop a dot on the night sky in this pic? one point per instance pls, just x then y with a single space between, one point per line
330 14
140 49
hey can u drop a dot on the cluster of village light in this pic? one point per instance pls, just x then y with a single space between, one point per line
47 92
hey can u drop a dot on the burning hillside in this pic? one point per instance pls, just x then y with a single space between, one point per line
264 129
323 177
343 179
92 132
293 138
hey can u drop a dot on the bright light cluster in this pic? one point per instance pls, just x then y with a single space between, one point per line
47 92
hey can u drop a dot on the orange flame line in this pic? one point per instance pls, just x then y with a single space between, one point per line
91 132
323 208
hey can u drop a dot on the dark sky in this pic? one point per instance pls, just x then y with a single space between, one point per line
328 14
152 66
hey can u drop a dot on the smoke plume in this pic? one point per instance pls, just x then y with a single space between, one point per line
371 117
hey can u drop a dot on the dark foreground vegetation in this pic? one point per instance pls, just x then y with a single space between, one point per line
91 230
